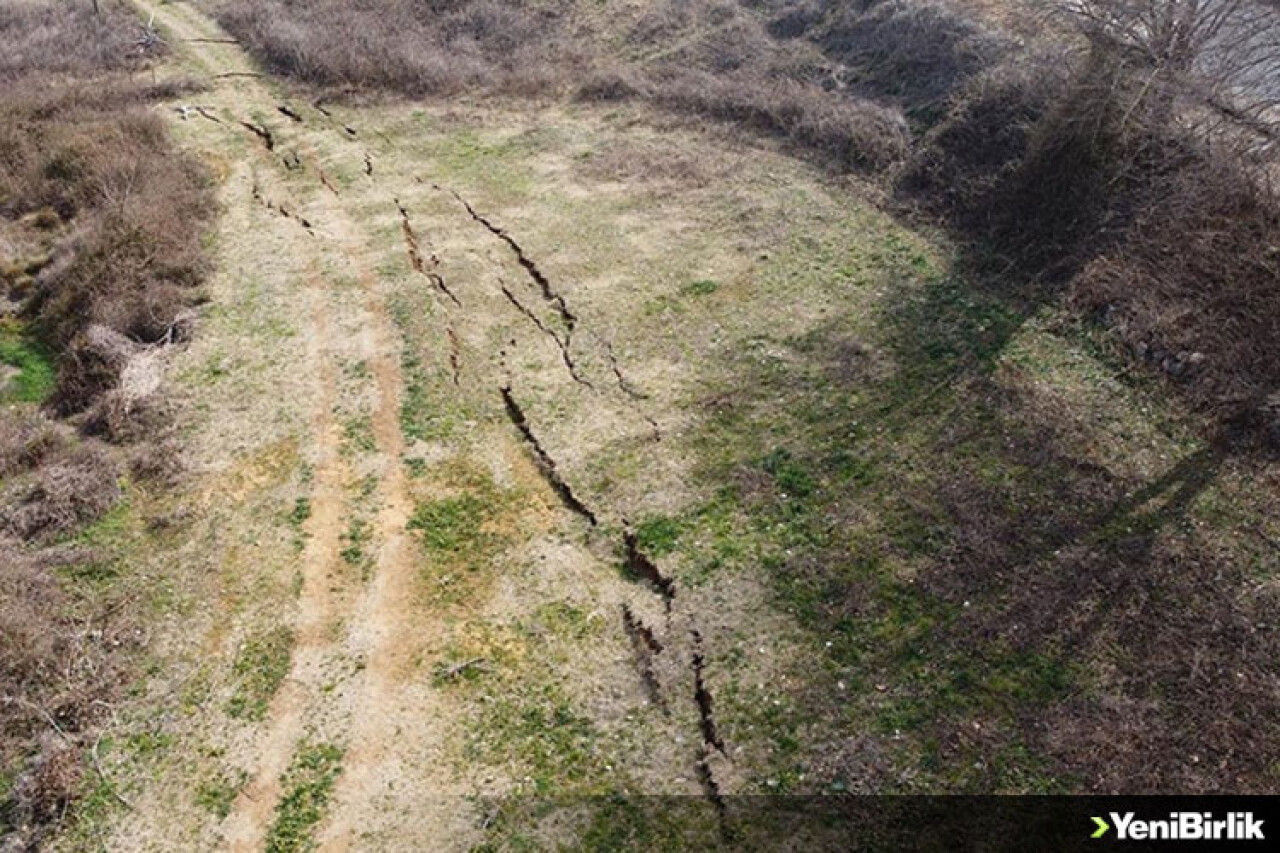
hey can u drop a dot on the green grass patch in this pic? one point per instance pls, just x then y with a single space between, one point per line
260 667
451 526
658 536
535 728
307 786
356 540
301 512
217 794
701 287
37 373
357 435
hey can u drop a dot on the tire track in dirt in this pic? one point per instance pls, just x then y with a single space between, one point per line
384 611
385 614
245 827
381 616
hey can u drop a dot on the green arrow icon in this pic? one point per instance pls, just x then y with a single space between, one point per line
1103 826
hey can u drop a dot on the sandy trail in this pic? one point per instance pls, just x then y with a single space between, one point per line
378 618
396 788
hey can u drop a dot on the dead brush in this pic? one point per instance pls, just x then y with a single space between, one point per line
65 492
850 133
66 38
129 259
26 440
1194 286
56 673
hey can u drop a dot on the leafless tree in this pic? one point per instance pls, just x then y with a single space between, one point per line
1215 63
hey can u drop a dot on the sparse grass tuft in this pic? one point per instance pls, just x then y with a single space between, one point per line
452 526
307 785
701 287
216 795
355 545
260 667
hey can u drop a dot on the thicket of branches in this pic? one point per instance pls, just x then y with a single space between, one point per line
100 225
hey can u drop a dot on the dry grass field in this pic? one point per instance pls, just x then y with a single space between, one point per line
569 425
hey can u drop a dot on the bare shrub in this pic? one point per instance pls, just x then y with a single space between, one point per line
1206 64
91 366
76 488
985 136
414 48
612 84
129 258
850 133
54 675
917 54
1194 287
711 59
64 38
26 440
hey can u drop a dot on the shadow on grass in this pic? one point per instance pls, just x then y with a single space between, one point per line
1007 615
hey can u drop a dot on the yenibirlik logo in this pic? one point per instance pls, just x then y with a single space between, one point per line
1183 826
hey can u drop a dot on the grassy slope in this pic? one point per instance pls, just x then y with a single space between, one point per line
940 539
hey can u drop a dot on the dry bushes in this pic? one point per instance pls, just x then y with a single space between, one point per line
1194 287
1080 174
438 47
100 226
848 133
709 59
128 255
916 54
56 670
66 38
73 487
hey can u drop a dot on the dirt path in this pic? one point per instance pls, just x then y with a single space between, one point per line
506 335
285 717
379 617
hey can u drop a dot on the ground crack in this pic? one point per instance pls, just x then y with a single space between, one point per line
623 383
455 354
639 564
548 292
560 343
546 464
415 256
262 133
281 210
646 647
702 696
324 179
711 790
288 112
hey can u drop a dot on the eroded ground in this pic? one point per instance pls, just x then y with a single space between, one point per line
568 452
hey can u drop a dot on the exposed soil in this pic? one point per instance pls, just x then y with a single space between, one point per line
570 500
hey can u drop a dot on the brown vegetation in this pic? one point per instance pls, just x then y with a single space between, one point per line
100 229
1119 159
713 60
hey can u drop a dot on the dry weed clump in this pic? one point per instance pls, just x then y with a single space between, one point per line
1194 286
850 133
437 47
100 261
66 491
64 38
916 54
711 59
56 670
